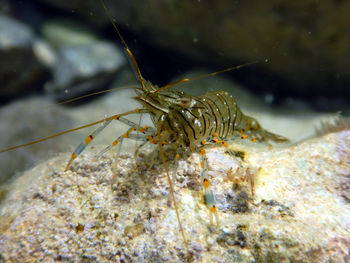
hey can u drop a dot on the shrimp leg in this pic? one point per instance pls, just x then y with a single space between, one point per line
209 198
81 147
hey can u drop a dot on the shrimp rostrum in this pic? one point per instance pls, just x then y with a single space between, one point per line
182 123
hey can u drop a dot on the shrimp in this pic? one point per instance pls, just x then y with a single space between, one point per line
182 122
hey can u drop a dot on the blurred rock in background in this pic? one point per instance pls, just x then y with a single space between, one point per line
20 70
306 43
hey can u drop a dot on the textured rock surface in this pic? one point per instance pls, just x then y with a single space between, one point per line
115 209
306 42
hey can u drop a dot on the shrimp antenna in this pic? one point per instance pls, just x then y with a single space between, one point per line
177 82
132 58
93 94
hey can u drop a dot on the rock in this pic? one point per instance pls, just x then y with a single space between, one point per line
84 68
118 208
83 62
20 70
14 34
27 120
63 32
306 43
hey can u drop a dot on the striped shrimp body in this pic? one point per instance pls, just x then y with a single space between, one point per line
190 120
